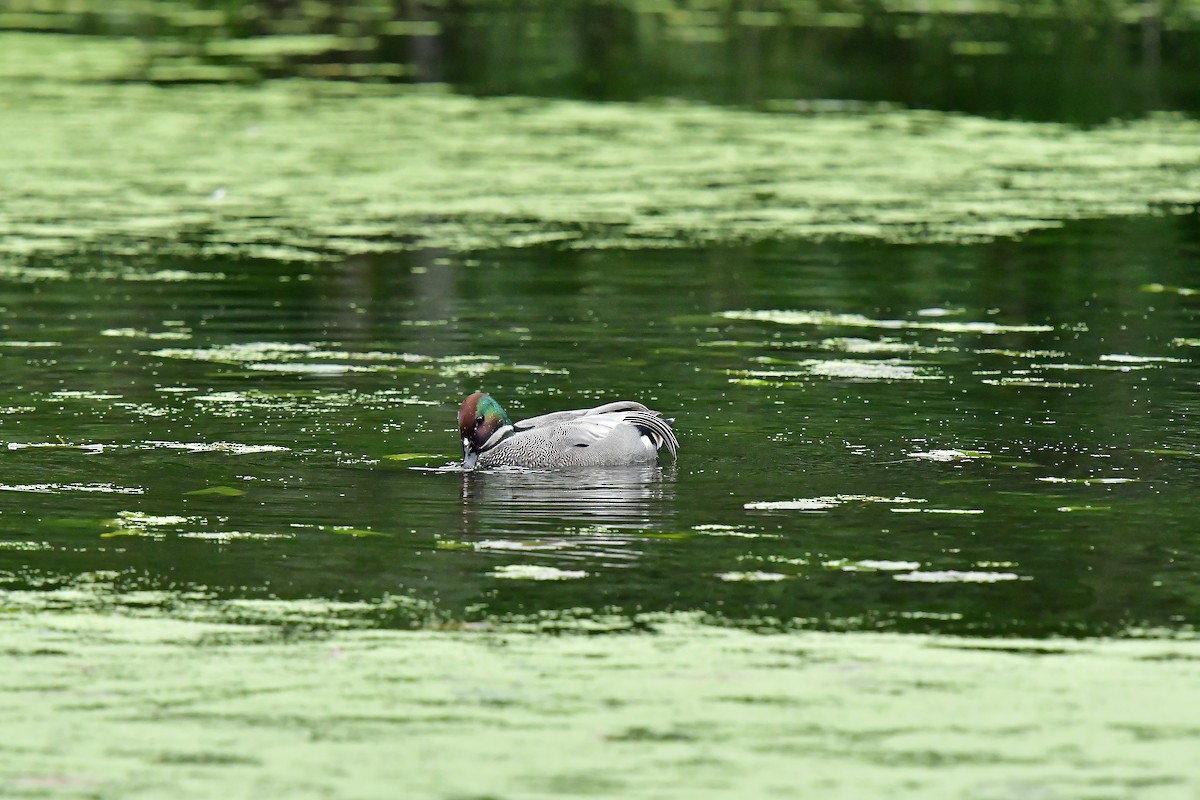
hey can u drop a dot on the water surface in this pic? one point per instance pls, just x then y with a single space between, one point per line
991 439
934 379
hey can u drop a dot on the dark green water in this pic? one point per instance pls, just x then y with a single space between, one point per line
996 439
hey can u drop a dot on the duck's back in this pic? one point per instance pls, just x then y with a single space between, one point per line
616 434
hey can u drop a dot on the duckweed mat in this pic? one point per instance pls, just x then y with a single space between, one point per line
303 170
113 706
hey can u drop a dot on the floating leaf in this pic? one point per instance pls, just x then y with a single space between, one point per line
413 456
220 491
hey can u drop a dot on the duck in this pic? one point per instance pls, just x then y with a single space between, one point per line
621 433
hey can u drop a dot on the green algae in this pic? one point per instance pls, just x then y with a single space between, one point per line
113 706
269 171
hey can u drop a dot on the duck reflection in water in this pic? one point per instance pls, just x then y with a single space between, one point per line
578 513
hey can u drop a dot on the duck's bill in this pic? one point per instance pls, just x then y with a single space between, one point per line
470 459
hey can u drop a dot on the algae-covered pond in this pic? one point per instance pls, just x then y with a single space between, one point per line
931 530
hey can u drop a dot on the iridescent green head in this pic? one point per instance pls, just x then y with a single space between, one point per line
482 423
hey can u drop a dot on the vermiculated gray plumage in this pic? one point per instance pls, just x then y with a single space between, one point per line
615 434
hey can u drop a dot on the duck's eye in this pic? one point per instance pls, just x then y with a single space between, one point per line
478 420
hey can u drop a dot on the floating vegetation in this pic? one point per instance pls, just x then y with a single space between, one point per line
1173 453
1030 354
29 274
7 410
956 576
511 544
57 488
216 491
1126 358
340 530
311 369
1033 382
414 456
826 502
1087 481
834 320
97 448
1126 367
24 545
242 353
751 577
736 531
885 566
296 192
233 403
1158 288
225 537
81 394
154 526
313 359
842 344
850 344
949 455
846 369
90 449
144 409
535 572
867 565
231 448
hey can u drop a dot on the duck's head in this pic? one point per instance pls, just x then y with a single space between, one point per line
482 423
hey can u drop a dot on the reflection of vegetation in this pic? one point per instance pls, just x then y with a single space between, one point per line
1061 60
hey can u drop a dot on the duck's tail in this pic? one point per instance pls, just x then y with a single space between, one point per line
658 429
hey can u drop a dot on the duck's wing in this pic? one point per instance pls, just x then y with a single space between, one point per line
596 429
560 417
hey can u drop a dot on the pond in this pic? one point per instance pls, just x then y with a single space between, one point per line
225 481
930 529
990 438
